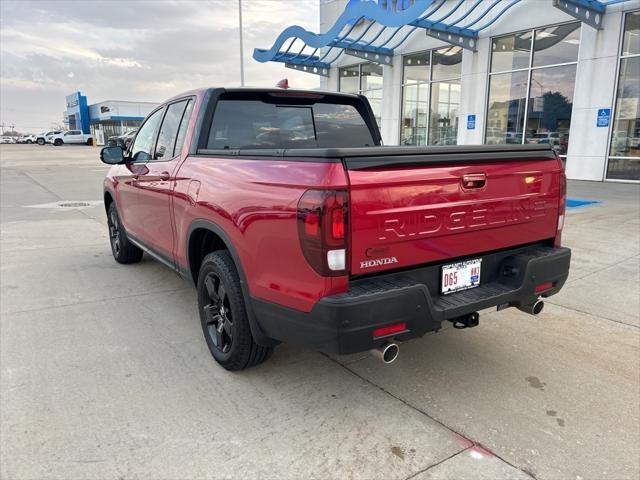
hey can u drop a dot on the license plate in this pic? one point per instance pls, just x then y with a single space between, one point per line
460 276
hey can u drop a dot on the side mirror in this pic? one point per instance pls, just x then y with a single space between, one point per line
112 155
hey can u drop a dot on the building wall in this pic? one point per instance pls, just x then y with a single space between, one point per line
78 111
120 110
595 85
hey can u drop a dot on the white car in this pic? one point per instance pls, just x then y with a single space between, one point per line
29 138
7 140
71 137
41 138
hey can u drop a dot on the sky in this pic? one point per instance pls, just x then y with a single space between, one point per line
138 50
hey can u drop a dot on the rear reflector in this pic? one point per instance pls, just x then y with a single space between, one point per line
389 329
543 287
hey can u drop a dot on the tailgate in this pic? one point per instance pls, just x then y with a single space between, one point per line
408 210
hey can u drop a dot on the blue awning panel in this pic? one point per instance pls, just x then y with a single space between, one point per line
452 21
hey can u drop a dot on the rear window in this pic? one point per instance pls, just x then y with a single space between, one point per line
254 124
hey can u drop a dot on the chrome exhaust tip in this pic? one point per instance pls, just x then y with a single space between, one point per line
533 308
537 307
387 352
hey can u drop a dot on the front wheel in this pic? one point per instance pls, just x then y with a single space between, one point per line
57 142
40 141
121 247
29 141
223 314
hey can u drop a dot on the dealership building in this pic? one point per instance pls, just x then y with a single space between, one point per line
442 72
104 119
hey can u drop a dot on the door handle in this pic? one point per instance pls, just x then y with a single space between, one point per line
472 181
165 176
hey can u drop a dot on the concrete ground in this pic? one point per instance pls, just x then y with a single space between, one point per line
105 374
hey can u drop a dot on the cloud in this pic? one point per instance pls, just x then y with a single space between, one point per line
137 50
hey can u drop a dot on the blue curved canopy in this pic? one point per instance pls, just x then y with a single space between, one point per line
448 20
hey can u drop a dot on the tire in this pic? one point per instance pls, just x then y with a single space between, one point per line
29 141
57 142
223 315
121 247
40 141
89 141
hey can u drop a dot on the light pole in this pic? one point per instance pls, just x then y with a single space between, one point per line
241 47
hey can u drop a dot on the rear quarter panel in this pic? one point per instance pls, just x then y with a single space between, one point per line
254 201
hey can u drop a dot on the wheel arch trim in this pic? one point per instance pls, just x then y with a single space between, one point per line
214 228
111 193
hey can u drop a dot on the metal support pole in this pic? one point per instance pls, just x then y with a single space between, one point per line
241 46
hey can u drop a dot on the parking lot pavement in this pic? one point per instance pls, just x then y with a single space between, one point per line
104 372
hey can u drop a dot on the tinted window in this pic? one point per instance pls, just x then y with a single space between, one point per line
183 128
254 124
169 131
340 126
143 144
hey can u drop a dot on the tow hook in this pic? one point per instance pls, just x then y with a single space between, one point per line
466 321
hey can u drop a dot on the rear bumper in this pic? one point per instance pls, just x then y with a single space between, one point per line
345 323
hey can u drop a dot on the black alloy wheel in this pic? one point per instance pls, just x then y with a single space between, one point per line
217 312
123 250
114 232
223 314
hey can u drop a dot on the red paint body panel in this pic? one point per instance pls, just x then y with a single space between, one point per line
255 203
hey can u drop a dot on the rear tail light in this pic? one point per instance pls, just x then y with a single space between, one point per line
561 205
322 227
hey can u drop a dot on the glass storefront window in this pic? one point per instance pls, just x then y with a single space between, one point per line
505 114
431 97
550 105
416 68
415 110
511 52
350 79
447 63
445 102
556 45
366 79
624 150
631 39
533 102
371 76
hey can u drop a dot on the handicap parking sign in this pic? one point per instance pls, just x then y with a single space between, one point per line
604 116
471 122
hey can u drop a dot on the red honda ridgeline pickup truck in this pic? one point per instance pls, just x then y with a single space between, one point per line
295 225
